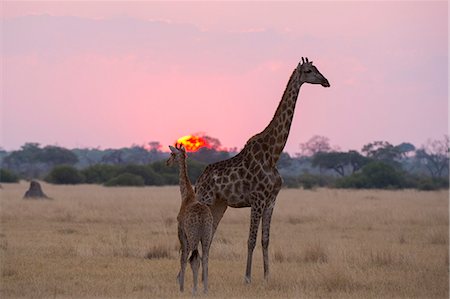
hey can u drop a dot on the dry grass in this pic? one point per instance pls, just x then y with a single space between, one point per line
92 241
158 252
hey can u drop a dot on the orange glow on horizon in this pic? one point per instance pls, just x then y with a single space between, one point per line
192 143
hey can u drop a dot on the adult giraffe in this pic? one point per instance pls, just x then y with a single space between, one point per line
251 179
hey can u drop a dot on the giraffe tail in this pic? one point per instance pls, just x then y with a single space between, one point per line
193 256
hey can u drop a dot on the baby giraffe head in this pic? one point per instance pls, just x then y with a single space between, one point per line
310 74
177 154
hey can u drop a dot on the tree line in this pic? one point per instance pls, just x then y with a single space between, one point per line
378 164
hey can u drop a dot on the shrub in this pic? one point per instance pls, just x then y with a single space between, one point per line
426 184
431 184
170 179
356 181
310 181
381 175
146 172
100 173
126 179
442 183
7 176
161 168
374 175
195 169
290 181
64 174
103 173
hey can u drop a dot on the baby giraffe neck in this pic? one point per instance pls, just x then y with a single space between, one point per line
187 192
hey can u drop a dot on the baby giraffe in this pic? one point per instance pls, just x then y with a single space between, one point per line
195 224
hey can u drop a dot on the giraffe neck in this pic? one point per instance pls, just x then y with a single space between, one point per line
187 192
273 138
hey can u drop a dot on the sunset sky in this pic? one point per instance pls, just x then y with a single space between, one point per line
110 74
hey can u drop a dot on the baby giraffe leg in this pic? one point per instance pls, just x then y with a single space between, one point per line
183 262
194 261
205 269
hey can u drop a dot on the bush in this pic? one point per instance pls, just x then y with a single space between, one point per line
100 173
170 179
374 175
126 179
430 184
442 183
103 173
310 181
7 176
381 175
355 181
195 169
426 185
290 181
307 181
155 174
64 174
146 172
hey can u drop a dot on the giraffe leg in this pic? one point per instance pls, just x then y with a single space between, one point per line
217 211
266 218
205 257
195 265
183 262
255 217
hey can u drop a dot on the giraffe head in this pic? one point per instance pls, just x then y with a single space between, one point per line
308 73
177 154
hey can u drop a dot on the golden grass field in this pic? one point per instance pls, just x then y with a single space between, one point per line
93 241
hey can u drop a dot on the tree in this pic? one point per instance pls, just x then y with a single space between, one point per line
332 160
155 146
405 148
31 149
155 152
339 161
356 160
315 145
21 161
213 143
383 151
434 154
137 155
284 161
209 155
114 157
32 161
3 154
55 155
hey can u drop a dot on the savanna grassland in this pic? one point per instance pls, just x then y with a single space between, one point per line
93 241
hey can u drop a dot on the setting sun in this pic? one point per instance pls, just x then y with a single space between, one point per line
192 143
